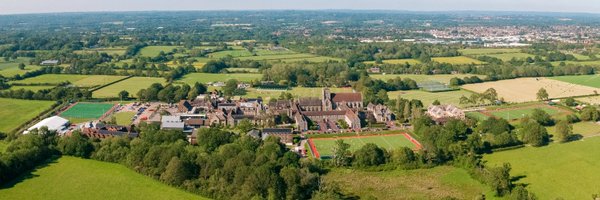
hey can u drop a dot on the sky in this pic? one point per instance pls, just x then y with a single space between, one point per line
48 6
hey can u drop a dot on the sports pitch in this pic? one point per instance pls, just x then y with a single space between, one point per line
87 110
324 146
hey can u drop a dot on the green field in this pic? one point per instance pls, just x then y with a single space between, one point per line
477 115
450 97
587 80
593 63
484 51
15 112
132 85
84 110
571 173
410 61
585 129
52 79
151 51
295 91
124 118
514 114
33 88
11 68
192 78
76 178
249 70
458 60
282 57
509 56
442 78
97 80
109 51
325 145
435 183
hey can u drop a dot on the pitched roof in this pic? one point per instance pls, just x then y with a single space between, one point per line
309 101
347 97
323 113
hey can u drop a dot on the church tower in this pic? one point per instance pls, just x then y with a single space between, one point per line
326 98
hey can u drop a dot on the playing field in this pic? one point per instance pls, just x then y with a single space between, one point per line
513 114
458 60
442 78
525 89
324 146
151 51
192 78
484 51
449 97
444 182
410 61
587 80
568 171
84 110
132 85
15 112
76 178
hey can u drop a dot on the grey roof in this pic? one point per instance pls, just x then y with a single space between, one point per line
172 122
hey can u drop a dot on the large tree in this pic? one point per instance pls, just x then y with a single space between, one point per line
564 130
341 153
542 94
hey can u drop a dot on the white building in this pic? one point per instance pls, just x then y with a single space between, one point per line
54 123
172 122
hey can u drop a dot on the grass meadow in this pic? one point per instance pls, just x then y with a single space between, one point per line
484 51
442 78
132 85
444 182
11 68
15 112
33 88
124 118
571 173
151 51
208 77
509 56
513 114
76 178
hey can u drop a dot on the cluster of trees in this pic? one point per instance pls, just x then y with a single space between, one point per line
405 109
26 152
170 93
313 75
222 165
490 96
466 80
220 66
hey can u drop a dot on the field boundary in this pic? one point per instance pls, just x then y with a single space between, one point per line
414 141
111 83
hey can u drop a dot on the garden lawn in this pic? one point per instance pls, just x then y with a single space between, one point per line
449 97
124 118
444 182
192 78
15 112
132 85
390 142
458 60
76 178
568 171
587 80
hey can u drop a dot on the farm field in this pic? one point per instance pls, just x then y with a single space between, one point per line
151 51
572 173
124 118
594 100
52 79
324 146
525 89
15 112
76 178
317 59
450 97
11 68
109 51
442 78
278 57
250 70
435 183
587 80
584 129
97 80
410 61
33 88
485 51
132 85
192 78
295 91
509 56
593 63
514 114
458 60
84 110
